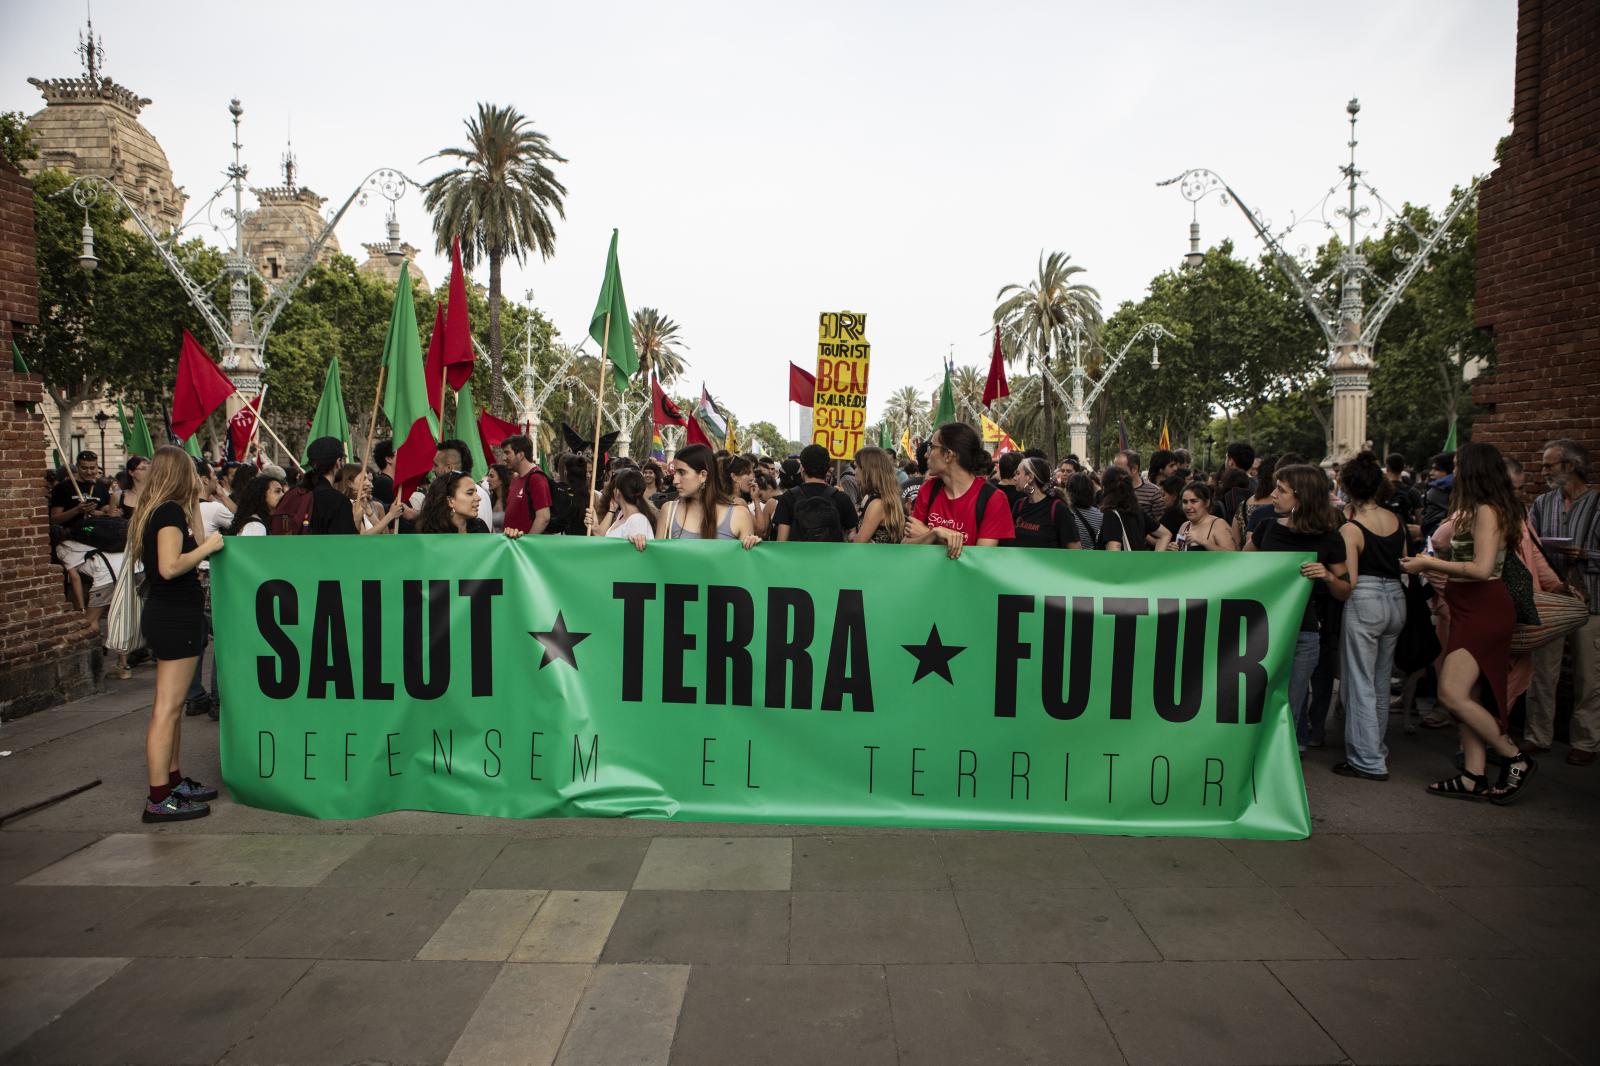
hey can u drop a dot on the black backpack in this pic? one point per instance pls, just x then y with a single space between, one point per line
816 518
104 532
566 517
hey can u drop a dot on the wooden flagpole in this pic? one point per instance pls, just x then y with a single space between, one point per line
599 407
287 451
372 426
259 406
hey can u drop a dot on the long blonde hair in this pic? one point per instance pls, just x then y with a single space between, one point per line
172 480
875 471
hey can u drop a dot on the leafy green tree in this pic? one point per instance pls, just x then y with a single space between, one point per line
1036 320
119 328
16 139
768 439
499 200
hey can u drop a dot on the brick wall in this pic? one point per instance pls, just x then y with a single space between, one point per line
45 655
1538 269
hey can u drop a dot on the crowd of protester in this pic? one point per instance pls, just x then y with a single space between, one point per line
1425 583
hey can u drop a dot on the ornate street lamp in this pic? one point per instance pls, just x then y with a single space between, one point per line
240 334
1351 330
1081 391
100 419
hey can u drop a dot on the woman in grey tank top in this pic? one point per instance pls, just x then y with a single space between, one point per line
702 510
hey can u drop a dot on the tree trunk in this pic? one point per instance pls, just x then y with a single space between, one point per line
495 257
1045 398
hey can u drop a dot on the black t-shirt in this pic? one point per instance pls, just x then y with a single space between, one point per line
1328 547
1046 524
1127 528
784 515
63 497
383 490
1173 519
1013 494
183 590
331 511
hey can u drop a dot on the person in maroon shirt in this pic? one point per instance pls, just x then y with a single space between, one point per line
528 495
955 507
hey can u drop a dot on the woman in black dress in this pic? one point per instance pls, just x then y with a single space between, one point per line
161 536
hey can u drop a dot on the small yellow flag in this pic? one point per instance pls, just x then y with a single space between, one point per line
905 443
1166 439
992 433
733 441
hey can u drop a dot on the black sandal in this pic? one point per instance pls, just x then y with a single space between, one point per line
1514 774
1452 788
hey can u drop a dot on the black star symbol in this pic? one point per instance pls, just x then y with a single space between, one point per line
559 643
933 657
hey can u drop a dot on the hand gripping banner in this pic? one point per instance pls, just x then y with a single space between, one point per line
1093 692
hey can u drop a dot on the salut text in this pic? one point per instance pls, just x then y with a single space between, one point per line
781 647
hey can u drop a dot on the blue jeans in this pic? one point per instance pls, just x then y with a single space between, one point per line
1307 649
1373 617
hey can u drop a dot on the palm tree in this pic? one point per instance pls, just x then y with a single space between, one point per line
966 384
1034 320
656 337
499 202
907 409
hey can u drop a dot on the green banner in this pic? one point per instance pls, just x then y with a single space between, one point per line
835 684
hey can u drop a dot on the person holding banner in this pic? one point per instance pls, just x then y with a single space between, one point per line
257 500
626 508
451 506
702 511
956 507
1307 522
1042 519
883 513
1201 531
161 534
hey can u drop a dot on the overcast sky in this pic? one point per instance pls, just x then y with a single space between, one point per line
767 162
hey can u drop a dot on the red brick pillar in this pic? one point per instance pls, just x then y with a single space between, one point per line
45 655
1538 263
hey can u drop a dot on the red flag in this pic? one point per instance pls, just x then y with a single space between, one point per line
667 413
458 354
802 387
996 386
201 389
494 431
698 435
241 427
433 368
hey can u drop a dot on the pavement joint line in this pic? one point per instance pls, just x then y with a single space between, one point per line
1099 1010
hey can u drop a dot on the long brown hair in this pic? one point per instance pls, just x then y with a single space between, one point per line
345 479
703 460
875 468
1313 510
1483 481
172 480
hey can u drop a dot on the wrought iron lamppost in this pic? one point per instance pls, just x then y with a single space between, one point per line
100 419
241 334
1081 391
1351 330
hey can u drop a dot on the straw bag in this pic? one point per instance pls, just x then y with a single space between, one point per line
1559 614
123 632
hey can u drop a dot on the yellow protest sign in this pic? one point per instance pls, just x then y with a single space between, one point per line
839 414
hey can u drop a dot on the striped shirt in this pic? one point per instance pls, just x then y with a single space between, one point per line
1553 517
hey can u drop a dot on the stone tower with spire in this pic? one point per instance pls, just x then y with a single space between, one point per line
90 125
279 233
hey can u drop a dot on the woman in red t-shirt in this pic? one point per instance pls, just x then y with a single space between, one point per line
955 507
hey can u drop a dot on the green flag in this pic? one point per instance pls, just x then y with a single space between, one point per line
883 437
1450 441
405 393
618 340
946 411
138 441
330 419
19 365
192 446
465 429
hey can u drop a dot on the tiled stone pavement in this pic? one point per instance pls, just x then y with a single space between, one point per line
259 938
